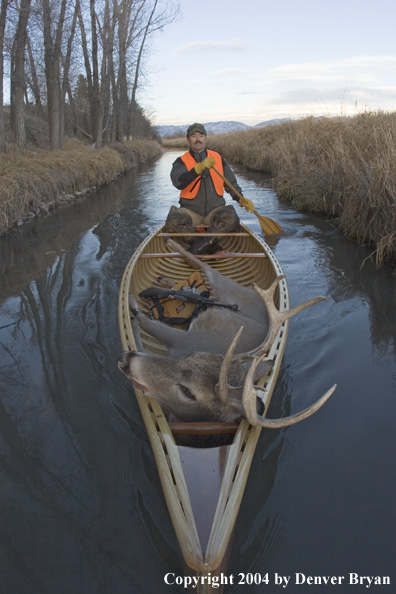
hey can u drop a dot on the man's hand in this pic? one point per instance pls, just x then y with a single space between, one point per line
205 164
248 204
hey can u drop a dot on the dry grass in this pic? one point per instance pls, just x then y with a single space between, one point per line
32 180
175 143
341 167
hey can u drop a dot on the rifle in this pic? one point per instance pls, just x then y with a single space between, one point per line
185 294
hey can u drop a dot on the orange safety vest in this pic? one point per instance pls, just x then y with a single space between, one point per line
191 190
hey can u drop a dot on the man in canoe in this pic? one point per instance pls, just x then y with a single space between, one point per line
201 194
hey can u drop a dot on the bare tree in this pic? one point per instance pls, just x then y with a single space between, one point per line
32 77
66 62
157 19
140 53
3 13
92 71
95 98
127 35
107 38
109 97
18 77
52 55
113 55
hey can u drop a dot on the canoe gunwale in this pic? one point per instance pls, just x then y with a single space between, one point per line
165 450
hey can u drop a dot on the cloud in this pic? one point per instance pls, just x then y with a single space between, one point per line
227 72
211 46
300 101
357 68
350 84
251 91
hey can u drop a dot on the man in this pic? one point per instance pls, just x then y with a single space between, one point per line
201 194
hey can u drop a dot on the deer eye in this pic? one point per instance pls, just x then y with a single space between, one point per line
187 393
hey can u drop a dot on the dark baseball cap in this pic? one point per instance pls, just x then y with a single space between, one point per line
196 128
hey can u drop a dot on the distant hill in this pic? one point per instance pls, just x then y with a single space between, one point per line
213 127
270 122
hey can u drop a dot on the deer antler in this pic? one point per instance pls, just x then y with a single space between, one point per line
249 397
250 409
222 386
276 318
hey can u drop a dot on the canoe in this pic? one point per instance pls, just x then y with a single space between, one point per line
203 515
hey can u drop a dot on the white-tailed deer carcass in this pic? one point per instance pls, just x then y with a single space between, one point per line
212 367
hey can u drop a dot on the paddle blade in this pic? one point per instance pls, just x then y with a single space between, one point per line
268 226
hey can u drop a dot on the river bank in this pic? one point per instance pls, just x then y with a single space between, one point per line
33 182
341 167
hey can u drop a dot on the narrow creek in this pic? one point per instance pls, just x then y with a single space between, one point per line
82 510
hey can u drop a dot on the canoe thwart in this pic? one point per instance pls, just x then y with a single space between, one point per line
203 234
218 255
203 428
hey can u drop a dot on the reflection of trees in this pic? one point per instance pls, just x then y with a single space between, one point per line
44 308
353 274
382 295
71 508
53 508
22 254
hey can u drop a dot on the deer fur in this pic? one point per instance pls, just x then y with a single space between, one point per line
212 366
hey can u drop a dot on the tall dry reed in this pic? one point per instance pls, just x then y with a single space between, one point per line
33 180
342 167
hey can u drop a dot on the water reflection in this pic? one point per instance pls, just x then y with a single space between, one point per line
75 507
330 502
82 508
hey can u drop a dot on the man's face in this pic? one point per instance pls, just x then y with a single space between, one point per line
197 142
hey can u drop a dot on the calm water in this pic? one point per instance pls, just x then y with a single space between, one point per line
81 508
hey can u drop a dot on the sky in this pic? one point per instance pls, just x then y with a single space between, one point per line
253 60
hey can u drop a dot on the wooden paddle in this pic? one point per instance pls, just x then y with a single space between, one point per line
268 226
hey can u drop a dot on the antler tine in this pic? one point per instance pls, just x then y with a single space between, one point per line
222 386
249 395
249 405
276 318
